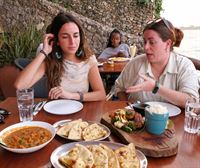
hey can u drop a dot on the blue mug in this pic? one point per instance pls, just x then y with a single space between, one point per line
155 123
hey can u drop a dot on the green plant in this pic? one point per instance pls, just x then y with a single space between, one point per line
143 2
156 3
18 43
157 8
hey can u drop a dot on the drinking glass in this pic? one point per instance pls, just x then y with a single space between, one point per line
25 101
192 115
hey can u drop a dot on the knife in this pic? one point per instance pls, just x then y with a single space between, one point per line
38 107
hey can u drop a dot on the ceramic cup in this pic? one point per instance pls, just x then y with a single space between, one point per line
156 117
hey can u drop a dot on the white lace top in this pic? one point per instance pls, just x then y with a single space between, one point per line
75 77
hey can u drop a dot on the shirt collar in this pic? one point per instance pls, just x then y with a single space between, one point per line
170 68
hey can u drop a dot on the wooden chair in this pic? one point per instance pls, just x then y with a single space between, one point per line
196 63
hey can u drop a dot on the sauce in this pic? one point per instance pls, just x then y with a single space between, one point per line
26 137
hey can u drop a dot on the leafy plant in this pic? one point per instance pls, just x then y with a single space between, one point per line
18 43
143 2
157 8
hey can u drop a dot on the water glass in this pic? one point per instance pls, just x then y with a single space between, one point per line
25 101
192 115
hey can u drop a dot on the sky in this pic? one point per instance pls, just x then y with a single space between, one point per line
182 12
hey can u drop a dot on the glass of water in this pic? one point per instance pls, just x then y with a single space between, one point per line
192 115
25 101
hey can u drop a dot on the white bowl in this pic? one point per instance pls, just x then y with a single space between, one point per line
29 123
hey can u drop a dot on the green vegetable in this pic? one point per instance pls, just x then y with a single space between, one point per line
115 119
126 128
131 124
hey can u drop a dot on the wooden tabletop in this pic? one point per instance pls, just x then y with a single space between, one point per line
114 68
188 150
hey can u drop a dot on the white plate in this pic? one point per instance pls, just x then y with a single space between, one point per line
63 107
173 110
89 122
66 147
100 63
29 123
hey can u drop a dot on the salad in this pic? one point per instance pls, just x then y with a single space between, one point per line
127 119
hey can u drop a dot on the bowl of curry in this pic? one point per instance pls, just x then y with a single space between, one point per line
27 137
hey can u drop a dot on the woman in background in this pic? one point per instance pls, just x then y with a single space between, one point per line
68 62
115 47
160 74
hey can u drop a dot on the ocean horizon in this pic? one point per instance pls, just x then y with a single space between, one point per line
190 45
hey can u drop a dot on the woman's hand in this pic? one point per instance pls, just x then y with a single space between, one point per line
48 43
59 92
148 84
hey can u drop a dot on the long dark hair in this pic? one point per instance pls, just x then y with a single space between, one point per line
166 31
110 37
54 63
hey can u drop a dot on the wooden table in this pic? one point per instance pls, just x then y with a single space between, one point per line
110 72
188 151
115 68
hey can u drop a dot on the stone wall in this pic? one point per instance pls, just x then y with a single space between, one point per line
98 17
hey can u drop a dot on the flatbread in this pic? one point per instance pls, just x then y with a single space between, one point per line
64 130
93 131
127 156
100 156
77 157
76 131
112 158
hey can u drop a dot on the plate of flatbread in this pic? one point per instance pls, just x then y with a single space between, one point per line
80 130
99 154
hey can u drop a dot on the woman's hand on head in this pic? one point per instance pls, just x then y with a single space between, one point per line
48 43
59 92
148 84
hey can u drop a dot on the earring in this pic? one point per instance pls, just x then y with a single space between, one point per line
79 52
58 55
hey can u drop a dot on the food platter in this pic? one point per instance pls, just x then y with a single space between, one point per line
61 123
63 149
119 59
23 124
63 107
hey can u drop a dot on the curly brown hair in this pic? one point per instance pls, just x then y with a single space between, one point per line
54 62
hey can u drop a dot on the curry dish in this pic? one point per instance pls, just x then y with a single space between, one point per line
26 137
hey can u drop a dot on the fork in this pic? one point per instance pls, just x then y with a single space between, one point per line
37 107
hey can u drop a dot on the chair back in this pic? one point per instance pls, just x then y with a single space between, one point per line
40 87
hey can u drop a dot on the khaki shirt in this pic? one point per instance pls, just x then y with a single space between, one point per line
179 74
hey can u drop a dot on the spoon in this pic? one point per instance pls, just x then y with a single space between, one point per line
138 102
60 124
3 144
130 105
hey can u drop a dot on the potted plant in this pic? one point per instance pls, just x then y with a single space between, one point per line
19 43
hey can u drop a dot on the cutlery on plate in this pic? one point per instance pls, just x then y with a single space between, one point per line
130 105
61 123
38 107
